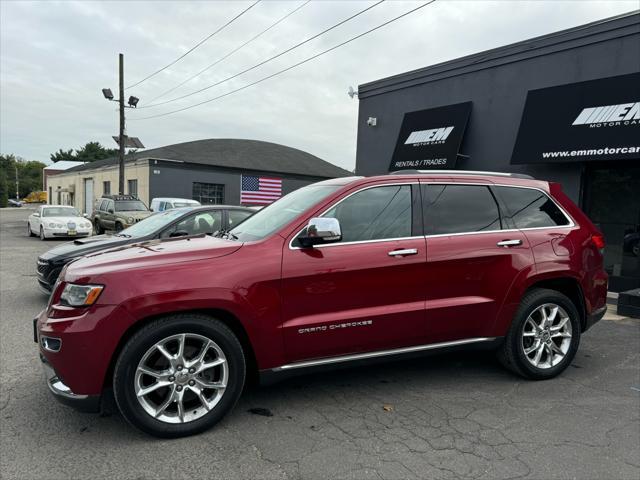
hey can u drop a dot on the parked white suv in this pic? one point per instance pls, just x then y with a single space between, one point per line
164 203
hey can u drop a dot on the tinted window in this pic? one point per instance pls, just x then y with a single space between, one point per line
530 208
204 222
460 209
375 213
237 216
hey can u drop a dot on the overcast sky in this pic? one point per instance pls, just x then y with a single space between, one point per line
56 56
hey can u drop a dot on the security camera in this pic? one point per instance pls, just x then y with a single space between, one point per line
372 121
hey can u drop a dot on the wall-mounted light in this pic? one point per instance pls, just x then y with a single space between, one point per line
372 121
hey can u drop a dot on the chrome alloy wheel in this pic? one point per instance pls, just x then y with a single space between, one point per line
546 336
181 378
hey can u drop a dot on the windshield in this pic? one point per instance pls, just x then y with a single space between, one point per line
60 212
281 212
130 206
153 223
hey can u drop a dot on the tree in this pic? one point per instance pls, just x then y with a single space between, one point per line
91 152
29 177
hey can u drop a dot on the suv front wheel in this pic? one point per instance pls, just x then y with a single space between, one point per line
543 337
179 375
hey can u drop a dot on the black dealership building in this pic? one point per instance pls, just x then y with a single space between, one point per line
563 107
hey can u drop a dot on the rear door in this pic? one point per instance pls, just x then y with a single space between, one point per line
473 259
364 293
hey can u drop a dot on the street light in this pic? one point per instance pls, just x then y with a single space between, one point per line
108 94
122 138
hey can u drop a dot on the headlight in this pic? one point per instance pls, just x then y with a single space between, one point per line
80 295
55 225
130 220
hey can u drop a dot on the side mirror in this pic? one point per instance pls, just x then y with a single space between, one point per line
110 210
320 230
85 215
179 233
36 214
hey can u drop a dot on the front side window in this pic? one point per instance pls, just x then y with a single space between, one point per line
203 222
460 209
529 208
375 214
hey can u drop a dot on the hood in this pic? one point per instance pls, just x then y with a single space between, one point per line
84 246
152 253
137 214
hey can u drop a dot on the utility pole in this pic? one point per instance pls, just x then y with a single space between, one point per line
17 184
121 135
122 139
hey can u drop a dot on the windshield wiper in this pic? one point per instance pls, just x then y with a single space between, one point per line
125 235
226 234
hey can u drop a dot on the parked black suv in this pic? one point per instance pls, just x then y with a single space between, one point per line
177 222
116 212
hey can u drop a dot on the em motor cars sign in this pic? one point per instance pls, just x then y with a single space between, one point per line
586 121
430 138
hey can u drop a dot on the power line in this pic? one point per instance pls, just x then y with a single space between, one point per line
290 67
265 61
231 52
196 45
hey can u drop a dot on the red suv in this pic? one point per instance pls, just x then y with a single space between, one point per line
340 271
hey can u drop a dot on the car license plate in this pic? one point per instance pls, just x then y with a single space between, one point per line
72 232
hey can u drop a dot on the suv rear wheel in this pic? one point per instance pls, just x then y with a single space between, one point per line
97 227
544 335
179 375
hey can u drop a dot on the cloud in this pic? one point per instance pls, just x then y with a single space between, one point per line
56 56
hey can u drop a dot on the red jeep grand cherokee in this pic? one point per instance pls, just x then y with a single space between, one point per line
339 271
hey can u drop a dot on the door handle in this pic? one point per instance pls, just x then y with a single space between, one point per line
403 252
509 243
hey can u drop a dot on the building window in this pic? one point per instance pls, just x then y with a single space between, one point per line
132 186
208 193
106 187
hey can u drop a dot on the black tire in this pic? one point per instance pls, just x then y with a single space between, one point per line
118 227
511 354
146 338
97 227
29 232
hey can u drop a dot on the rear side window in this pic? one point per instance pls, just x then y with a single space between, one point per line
460 209
529 208
237 216
375 213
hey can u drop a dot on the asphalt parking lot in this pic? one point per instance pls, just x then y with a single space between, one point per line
451 416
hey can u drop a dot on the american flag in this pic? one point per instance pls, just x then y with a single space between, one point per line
260 190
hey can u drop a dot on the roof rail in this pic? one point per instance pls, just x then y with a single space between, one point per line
461 172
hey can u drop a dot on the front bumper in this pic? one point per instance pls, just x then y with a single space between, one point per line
77 346
594 317
62 393
64 232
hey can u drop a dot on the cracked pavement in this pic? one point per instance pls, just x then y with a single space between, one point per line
458 415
